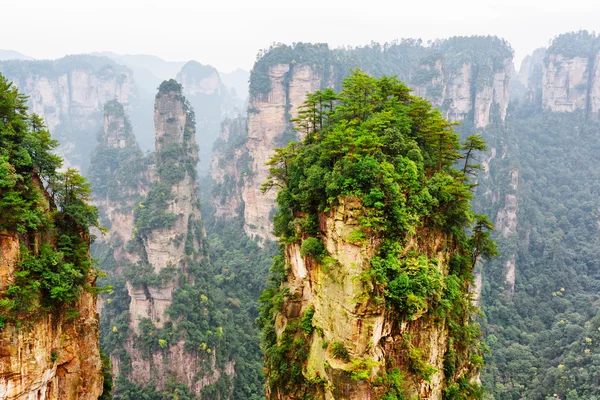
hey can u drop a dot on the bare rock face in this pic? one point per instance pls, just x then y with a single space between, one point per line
570 74
229 167
160 238
49 357
531 75
458 92
565 83
199 79
375 340
267 121
69 95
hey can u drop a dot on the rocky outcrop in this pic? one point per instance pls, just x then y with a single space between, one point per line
566 76
157 241
174 134
530 75
377 343
565 83
199 79
120 177
506 224
269 127
458 92
69 94
467 83
48 356
229 168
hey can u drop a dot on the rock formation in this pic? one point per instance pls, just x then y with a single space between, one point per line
467 78
49 328
69 94
51 357
157 247
229 168
212 103
363 303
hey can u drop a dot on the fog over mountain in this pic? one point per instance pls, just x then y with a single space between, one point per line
230 32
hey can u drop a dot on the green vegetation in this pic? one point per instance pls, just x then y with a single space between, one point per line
405 59
396 155
50 212
214 303
338 350
543 337
18 70
116 172
575 44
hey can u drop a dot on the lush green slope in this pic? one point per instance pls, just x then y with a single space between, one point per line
544 339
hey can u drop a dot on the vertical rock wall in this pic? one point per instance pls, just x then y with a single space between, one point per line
69 95
376 340
465 87
48 356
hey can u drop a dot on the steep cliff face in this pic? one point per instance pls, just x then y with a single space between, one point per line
466 78
175 159
465 84
565 83
157 252
49 357
531 74
269 127
371 297
69 94
49 331
121 176
229 168
566 76
346 318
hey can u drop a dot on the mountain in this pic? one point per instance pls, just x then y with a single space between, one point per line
69 94
237 80
540 296
211 101
13 55
49 326
466 77
370 296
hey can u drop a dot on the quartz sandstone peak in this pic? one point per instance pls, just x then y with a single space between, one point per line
157 238
466 88
49 356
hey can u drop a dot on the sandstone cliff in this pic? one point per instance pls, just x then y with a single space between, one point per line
69 94
370 297
49 333
49 357
376 342
157 251
121 176
566 76
229 168
467 78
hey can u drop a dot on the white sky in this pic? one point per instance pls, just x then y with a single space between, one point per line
229 33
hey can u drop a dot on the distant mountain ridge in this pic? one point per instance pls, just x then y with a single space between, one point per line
13 55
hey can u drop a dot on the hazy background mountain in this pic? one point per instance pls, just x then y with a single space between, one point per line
13 55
